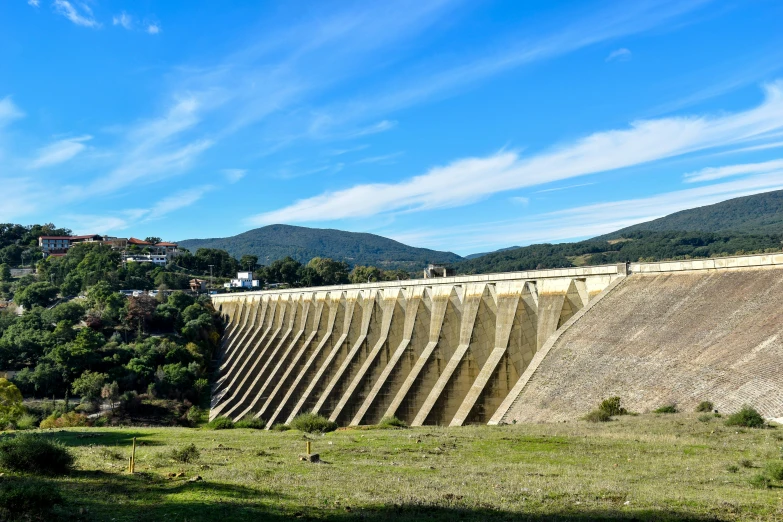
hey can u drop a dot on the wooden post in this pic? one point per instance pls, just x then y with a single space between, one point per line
133 457
308 448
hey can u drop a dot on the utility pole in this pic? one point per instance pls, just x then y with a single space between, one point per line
210 276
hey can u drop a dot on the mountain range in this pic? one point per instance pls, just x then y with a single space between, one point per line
750 223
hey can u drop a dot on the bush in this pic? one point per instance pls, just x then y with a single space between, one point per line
392 422
66 420
705 407
25 499
185 455
612 406
747 417
760 481
34 453
731 468
26 422
706 417
775 470
221 423
598 415
746 463
195 414
313 423
251 424
669 408
280 427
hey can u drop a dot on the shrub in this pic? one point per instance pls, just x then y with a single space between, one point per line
746 463
25 499
280 427
251 424
747 417
392 422
760 481
598 415
706 417
66 420
26 422
185 455
313 423
35 454
195 414
220 423
775 470
669 408
705 407
612 406
731 468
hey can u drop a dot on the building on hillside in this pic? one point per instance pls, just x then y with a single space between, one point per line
140 251
53 245
133 250
243 280
198 285
433 271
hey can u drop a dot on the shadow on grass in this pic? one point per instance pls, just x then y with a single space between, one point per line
96 495
101 438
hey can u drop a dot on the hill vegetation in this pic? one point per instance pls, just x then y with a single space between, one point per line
302 244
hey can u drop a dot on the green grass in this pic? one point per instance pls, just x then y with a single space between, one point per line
649 467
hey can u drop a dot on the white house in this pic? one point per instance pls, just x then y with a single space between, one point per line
243 280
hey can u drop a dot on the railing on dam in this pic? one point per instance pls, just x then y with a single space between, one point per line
428 351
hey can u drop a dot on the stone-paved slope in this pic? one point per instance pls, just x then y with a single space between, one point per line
658 339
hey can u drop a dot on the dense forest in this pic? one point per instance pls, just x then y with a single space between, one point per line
633 246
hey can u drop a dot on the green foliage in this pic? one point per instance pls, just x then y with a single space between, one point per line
36 294
195 414
280 427
221 423
5 272
303 244
746 463
10 401
186 455
70 419
24 499
705 417
34 453
775 470
760 481
89 385
26 421
392 422
598 416
251 423
705 406
747 417
732 468
668 408
612 406
313 423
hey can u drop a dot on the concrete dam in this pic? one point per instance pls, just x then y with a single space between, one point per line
525 346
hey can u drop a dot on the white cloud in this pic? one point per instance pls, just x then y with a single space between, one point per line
80 16
233 175
619 55
564 188
177 201
713 173
8 111
520 200
153 28
34 3
385 159
467 180
123 19
59 152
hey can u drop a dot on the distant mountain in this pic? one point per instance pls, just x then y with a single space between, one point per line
756 214
301 243
741 225
474 256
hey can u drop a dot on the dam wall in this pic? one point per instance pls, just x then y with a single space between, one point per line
540 345
428 351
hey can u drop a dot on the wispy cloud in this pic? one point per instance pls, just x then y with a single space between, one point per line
81 15
233 175
123 19
563 188
467 180
520 200
619 55
8 111
385 159
153 28
713 173
177 201
59 152
34 3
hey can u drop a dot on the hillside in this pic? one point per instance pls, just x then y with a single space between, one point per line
755 214
277 241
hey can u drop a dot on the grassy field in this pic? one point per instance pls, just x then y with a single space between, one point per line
649 467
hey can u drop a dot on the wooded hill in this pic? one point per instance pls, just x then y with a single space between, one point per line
302 244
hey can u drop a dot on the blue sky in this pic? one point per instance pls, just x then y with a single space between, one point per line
455 125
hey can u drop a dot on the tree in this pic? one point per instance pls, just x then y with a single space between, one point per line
248 262
89 385
36 294
10 400
5 272
111 393
152 239
140 310
331 272
284 270
365 274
